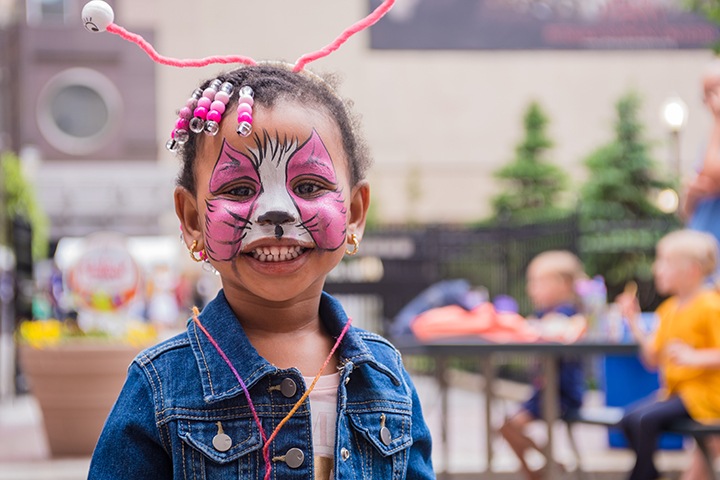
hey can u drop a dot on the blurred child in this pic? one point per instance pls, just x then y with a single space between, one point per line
551 278
685 348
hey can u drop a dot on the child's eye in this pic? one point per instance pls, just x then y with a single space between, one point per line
242 191
307 189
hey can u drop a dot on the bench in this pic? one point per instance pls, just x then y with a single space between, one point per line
611 417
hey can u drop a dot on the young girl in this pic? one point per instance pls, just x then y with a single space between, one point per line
270 380
551 280
685 348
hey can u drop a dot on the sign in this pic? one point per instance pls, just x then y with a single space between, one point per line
105 277
542 25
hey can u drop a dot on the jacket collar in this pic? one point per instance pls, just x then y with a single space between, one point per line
218 380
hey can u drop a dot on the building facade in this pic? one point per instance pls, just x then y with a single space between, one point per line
439 122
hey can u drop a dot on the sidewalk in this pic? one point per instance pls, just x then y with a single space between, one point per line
24 453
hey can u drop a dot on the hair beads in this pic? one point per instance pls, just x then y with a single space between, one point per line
197 124
204 110
180 134
217 108
244 111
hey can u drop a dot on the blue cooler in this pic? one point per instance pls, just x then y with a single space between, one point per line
626 381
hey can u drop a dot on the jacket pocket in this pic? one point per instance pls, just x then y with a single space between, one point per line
381 441
388 433
210 453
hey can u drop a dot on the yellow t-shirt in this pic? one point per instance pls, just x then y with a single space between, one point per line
697 324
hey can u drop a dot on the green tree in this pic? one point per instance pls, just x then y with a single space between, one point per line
619 221
710 9
17 199
534 184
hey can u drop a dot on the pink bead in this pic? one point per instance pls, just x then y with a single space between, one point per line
182 123
209 93
245 117
246 100
185 112
214 116
218 106
244 108
191 103
172 134
205 103
200 112
222 97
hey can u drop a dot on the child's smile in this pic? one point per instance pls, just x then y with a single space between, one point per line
275 203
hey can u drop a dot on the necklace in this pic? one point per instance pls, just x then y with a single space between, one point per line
268 440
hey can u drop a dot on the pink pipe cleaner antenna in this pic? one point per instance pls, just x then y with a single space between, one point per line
98 16
358 26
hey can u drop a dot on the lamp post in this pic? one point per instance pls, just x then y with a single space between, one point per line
674 114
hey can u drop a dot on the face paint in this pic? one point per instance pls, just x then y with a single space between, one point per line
324 214
228 215
280 191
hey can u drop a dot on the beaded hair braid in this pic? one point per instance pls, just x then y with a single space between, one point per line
203 112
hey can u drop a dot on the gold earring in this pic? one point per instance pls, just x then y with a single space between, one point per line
356 245
201 253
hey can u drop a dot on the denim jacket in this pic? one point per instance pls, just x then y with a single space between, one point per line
165 420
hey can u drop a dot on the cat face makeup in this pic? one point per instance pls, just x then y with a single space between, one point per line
282 193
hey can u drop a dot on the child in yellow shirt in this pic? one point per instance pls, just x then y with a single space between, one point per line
685 348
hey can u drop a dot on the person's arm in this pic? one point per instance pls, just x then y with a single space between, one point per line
707 182
708 357
630 308
130 444
683 354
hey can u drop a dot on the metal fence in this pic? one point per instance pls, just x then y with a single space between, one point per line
397 263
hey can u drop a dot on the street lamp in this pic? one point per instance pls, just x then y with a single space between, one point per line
674 114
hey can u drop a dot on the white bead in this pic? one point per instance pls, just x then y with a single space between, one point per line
247 91
244 129
197 124
97 16
212 128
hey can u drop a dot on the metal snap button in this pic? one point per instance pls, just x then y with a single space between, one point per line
221 441
294 458
385 436
344 453
288 388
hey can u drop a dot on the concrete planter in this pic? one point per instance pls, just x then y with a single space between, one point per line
76 385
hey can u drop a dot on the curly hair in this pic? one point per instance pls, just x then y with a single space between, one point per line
272 83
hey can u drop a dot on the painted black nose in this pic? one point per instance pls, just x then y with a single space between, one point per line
275 218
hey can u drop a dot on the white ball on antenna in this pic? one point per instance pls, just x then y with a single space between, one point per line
97 16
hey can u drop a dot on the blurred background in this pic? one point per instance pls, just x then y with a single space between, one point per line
498 128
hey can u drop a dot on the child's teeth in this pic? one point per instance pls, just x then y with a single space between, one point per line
276 254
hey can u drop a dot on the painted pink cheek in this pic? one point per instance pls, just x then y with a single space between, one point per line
325 218
225 228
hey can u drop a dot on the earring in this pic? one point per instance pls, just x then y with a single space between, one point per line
356 245
201 257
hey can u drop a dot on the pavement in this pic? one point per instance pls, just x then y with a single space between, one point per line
24 454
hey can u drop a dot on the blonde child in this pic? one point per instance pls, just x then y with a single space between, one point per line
685 348
551 280
270 380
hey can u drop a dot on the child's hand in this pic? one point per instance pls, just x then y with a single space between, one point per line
681 354
629 307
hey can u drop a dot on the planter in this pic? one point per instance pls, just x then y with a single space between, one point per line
76 385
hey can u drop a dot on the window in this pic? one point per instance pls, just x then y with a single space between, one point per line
48 11
78 111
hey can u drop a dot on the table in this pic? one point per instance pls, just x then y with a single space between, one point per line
443 349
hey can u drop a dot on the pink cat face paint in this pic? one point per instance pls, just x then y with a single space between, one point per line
233 182
313 186
281 190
